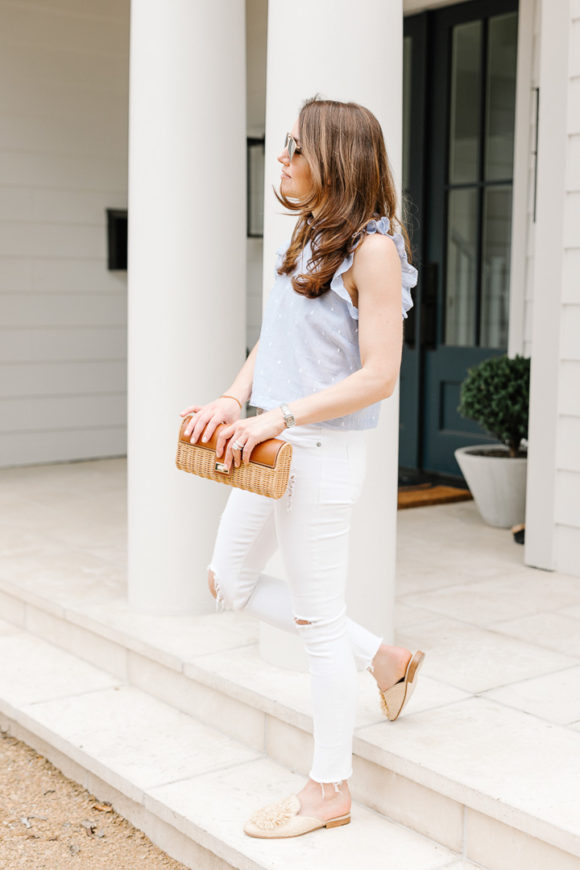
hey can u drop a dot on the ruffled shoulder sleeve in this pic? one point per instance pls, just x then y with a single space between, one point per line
409 273
337 285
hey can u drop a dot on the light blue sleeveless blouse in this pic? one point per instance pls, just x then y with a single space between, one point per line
307 344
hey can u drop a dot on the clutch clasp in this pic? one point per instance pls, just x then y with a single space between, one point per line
220 466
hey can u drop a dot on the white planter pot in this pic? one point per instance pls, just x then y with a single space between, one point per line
497 484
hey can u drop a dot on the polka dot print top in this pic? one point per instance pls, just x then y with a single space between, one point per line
307 344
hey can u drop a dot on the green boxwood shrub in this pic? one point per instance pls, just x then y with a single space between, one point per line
496 394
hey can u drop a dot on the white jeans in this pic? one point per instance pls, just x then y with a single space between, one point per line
310 524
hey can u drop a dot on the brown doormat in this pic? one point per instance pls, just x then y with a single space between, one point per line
423 494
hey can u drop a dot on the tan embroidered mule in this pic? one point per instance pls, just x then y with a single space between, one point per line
393 700
281 819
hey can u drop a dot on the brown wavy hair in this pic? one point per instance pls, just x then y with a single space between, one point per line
352 183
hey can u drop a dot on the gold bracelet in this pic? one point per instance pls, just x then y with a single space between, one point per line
223 396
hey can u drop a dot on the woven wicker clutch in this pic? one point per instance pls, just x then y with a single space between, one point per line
266 473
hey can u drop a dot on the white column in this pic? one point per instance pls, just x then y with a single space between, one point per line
548 251
351 52
186 275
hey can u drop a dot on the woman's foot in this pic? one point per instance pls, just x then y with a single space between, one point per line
334 803
389 665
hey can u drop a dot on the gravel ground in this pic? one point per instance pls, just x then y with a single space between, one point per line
49 822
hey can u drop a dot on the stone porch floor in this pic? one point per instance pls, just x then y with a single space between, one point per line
490 624
492 627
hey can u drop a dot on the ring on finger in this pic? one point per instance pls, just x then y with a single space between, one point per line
237 446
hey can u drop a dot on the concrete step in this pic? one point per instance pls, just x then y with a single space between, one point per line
188 786
485 780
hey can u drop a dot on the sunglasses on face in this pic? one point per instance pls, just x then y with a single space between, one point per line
291 144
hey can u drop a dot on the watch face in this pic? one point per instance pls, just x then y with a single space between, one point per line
288 416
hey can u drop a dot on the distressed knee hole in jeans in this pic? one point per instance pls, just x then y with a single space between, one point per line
322 620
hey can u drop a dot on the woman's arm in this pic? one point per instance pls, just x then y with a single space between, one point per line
205 418
241 386
376 273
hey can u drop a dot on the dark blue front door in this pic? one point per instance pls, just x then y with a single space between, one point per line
459 111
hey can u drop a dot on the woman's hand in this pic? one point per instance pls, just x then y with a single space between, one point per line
222 410
249 432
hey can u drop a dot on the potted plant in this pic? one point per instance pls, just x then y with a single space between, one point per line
495 394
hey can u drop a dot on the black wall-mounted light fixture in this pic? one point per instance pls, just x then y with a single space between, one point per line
117 238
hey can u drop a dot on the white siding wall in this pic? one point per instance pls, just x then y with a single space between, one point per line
63 161
567 491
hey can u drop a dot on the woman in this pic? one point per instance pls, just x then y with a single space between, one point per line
329 351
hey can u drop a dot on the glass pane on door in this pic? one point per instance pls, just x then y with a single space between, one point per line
465 97
461 278
497 208
500 101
